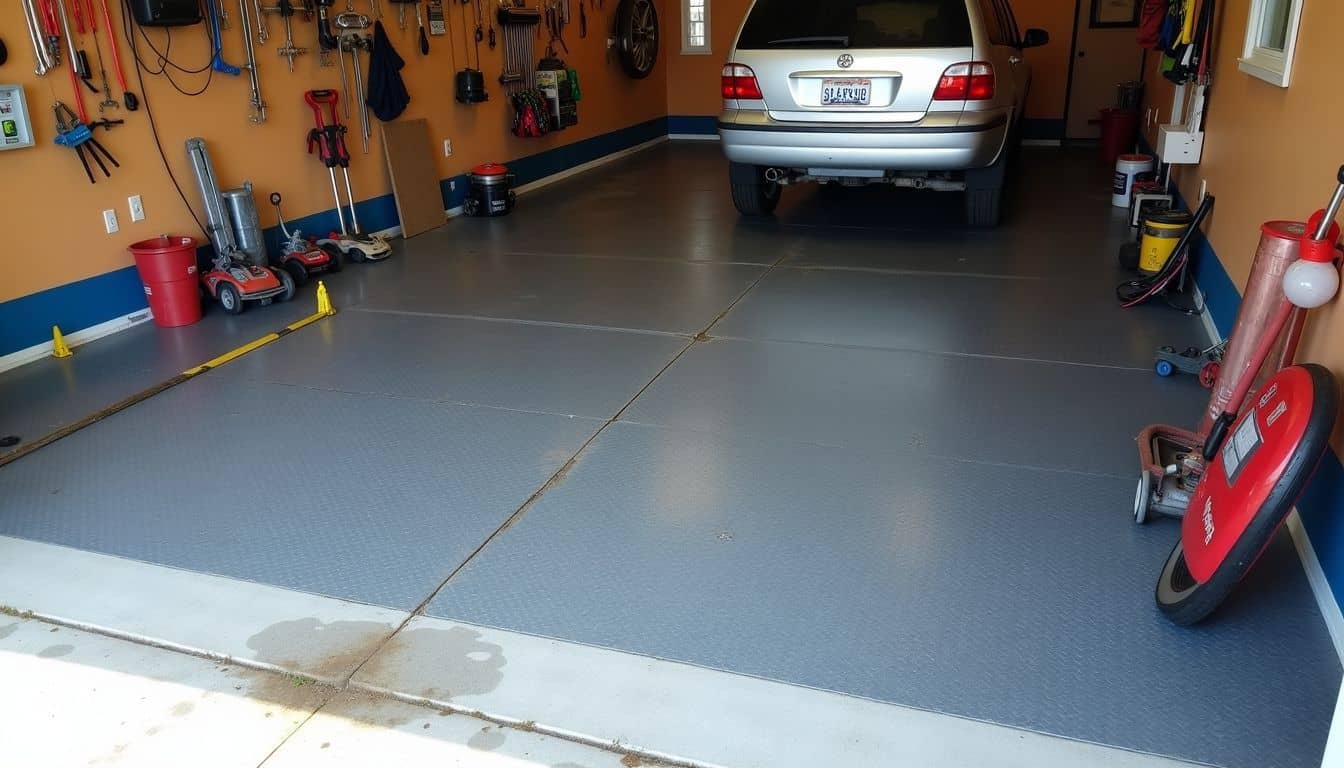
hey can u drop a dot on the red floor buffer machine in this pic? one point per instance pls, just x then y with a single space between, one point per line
329 141
239 271
1235 479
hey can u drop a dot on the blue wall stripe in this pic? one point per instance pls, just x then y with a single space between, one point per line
699 125
27 320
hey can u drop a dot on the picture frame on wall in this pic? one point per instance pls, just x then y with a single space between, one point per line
1115 13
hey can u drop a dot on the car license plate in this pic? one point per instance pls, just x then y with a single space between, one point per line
855 93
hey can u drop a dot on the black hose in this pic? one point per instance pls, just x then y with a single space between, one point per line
1132 293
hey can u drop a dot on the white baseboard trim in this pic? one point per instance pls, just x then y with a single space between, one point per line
532 186
74 339
1320 585
693 136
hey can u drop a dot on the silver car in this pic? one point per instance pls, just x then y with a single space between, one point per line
916 93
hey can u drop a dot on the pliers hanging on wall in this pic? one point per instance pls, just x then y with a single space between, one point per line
72 133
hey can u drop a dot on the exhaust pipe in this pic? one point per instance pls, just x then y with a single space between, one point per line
776 175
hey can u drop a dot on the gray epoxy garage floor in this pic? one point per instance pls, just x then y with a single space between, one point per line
855 447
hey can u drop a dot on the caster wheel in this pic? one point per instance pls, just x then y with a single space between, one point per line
228 298
1164 368
1142 498
1208 375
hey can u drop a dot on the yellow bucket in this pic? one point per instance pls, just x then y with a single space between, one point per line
1161 233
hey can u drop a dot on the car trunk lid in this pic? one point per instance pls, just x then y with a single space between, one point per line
853 60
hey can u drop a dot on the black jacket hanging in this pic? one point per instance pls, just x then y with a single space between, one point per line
387 93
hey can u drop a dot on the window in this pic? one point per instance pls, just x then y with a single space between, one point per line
798 24
1271 36
695 32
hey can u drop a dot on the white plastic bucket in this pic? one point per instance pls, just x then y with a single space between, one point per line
1127 169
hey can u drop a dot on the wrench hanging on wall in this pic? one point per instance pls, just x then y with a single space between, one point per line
256 105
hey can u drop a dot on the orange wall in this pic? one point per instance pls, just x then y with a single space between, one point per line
54 220
693 79
1272 153
1049 63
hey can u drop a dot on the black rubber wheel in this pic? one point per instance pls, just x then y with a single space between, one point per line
984 207
229 299
335 262
637 37
1186 601
752 194
296 271
288 283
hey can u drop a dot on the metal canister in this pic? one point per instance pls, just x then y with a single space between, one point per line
242 210
491 191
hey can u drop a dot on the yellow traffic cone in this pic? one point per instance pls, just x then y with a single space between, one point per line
58 346
324 300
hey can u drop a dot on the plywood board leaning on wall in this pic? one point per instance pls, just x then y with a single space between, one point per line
410 164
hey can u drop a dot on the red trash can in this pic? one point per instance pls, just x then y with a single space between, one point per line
167 267
1119 132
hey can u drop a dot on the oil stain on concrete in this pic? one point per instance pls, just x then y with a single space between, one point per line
437 664
55 651
324 651
488 739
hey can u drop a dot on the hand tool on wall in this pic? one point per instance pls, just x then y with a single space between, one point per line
420 24
263 34
350 25
286 10
131 101
72 132
43 59
401 12
51 25
217 61
256 104
107 101
326 41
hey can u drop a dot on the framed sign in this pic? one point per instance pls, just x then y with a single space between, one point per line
1115 13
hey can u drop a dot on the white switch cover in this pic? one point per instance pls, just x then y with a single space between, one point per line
110 221
137 208
447 147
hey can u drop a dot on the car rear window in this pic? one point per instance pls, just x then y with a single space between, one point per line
783 24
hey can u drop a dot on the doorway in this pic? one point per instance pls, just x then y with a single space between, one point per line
1105 52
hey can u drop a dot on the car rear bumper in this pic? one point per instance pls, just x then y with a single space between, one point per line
937 143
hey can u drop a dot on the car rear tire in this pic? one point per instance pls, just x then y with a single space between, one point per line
752 194
984 207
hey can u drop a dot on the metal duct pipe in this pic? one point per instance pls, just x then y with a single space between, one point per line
216 218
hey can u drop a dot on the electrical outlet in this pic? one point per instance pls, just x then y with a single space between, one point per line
447 147
110 221
137 208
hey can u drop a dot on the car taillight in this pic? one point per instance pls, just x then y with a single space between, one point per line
968 81
739 82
